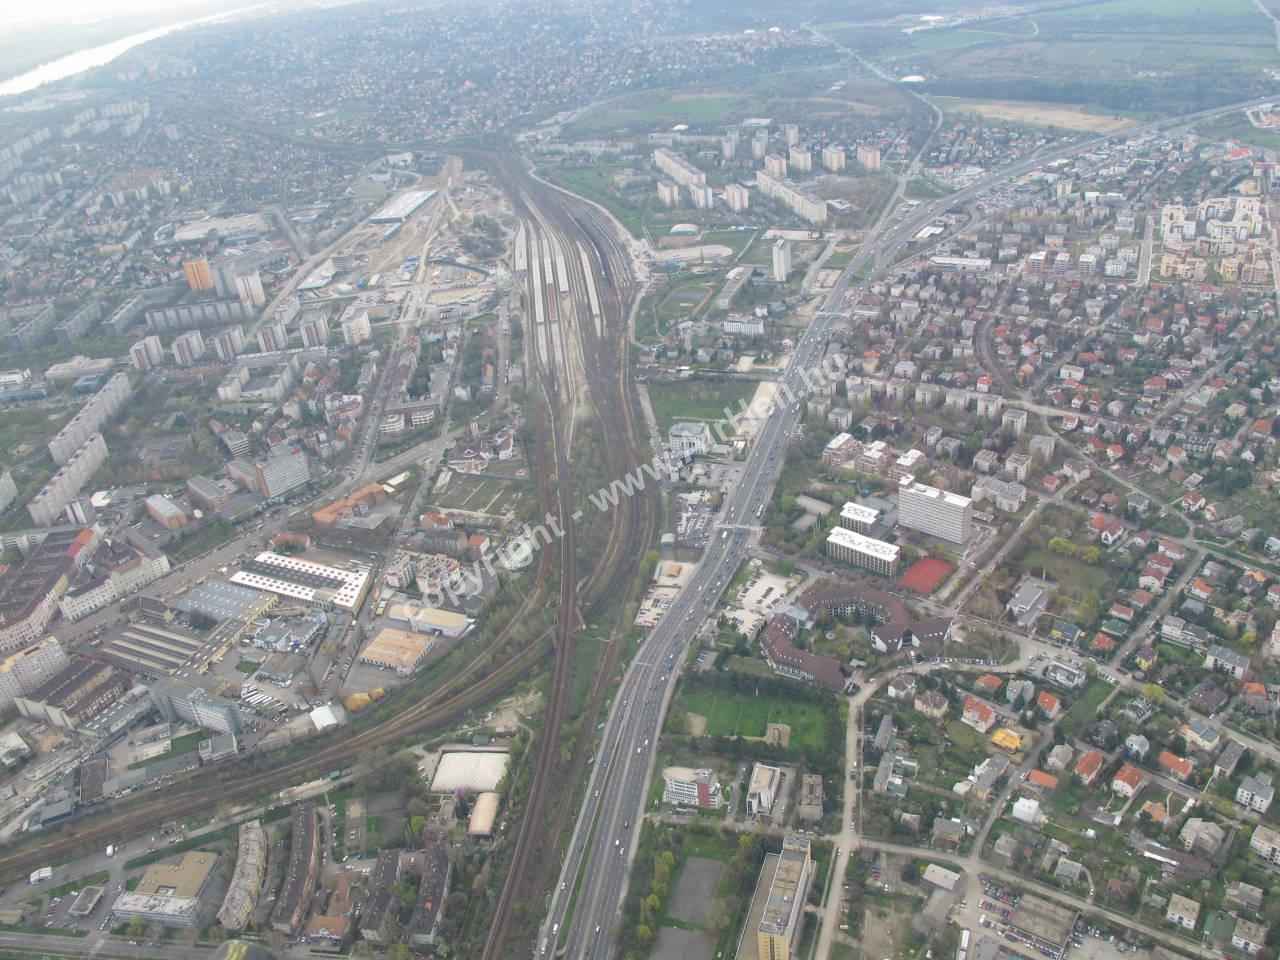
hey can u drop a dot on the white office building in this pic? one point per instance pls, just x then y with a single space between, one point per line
939 513
690 439
686 787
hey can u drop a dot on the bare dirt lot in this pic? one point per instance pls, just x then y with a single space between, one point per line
1065 115
695 889
676 944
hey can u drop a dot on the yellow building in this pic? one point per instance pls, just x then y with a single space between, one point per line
1007 739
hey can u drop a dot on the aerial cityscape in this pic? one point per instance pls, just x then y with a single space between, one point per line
641 480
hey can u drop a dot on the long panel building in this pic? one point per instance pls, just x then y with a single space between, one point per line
100 408
294 899
246 881
65 485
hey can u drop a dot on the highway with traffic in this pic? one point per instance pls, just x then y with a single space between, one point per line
588 898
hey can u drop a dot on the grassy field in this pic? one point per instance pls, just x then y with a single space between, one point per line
1236 126
743 715
663 109
480 494
596 183
1064 115
698 400
1072 577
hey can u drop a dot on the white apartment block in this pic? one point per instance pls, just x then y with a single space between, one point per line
801 158
8 490
737 198
355 326
1265 842
858 550
859 518
1255 793
65 485
833 158
678 168
804 205
100 408
868 157
939 513
781 260
669 193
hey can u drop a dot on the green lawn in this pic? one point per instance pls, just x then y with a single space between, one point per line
1084 711
698 400
1072 576
1236 126
744 715
596 183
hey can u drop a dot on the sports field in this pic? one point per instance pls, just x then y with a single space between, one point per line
927 574
745 715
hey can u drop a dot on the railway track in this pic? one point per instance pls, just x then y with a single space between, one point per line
603 290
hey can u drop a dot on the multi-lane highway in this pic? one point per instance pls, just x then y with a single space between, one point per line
587 900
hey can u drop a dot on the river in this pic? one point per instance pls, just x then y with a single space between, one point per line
82 60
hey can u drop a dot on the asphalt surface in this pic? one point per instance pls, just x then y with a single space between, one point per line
594 874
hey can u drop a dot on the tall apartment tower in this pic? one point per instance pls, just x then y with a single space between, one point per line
759 144
736 196
781 259
939 513
146 353
833 158
868 157
792 133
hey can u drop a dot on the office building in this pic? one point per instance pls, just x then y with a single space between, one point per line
314 329
762 789
100 408
274 336
228 343
146 353
246 880
833 158
788 875
686 787
199 275
169 894
187 348
855 549
868 157
313 583
938 513
736 197
781 260
181 702
689 439
65 485
678 168
355 325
